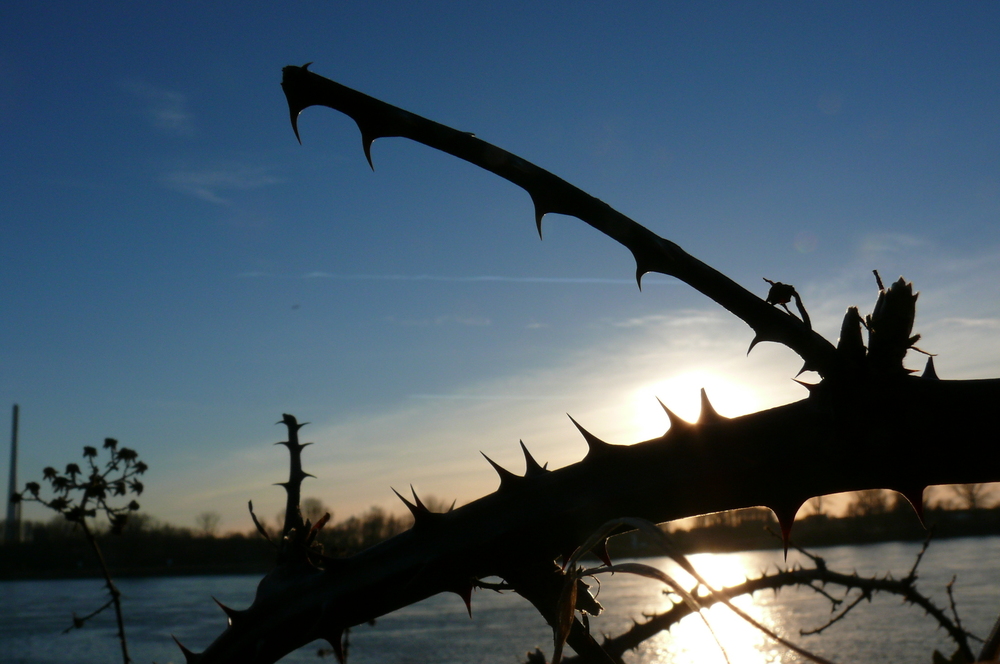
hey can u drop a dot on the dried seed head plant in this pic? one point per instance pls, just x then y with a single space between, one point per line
79 495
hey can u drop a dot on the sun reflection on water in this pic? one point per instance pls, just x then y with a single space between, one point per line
691 641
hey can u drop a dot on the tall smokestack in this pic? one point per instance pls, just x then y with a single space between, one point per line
12 530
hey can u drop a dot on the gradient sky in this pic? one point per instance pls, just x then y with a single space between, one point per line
177 271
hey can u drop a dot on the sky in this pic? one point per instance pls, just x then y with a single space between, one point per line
177 271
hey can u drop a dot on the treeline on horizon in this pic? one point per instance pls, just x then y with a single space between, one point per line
149 547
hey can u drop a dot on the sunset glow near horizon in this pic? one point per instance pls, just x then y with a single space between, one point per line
178 271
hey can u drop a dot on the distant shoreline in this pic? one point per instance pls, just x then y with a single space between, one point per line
158 554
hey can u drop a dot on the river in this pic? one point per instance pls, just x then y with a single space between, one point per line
504 627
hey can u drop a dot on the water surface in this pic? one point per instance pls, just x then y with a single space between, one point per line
504 627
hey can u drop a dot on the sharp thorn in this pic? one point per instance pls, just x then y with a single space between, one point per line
366 143
929 372
596 445
294 107
540 212
416 499
291 422
756 340
336 640
809 386
676 423
507 478
231 614
786 517
708 412
189 657
465 592
531 467
640 272
410 506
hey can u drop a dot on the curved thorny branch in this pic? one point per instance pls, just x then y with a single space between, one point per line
867 425
551 194
815 578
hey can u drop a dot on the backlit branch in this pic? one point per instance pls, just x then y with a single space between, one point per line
867 425
807 577
549 193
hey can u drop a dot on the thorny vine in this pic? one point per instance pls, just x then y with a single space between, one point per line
866 406
815 578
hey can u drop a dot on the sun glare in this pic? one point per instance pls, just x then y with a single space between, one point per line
691 641
682 395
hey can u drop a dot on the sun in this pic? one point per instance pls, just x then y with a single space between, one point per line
682 395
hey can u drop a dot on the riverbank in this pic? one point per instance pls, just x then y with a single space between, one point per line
182 554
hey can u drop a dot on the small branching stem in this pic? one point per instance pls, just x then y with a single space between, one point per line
112 590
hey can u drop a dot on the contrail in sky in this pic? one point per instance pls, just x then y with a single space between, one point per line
461 279
484 397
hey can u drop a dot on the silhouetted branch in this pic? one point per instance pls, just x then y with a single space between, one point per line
865 426
549 193
807 577
79 622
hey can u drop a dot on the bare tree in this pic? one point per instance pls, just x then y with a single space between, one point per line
207 523
869 503
313 509
972 496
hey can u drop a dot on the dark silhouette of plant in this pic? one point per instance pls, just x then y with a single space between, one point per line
867 424
82 494
817 578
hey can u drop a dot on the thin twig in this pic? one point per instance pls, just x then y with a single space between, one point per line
115 593
927 541
865 594
78 623
833 600
954 609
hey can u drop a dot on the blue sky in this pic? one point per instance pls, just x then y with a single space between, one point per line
177 271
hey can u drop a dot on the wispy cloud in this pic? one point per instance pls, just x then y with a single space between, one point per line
209 184
680 318
487 397
984 323
891 243
167 110
437 321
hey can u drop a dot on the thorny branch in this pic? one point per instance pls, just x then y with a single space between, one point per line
866 425
551 194
804 577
